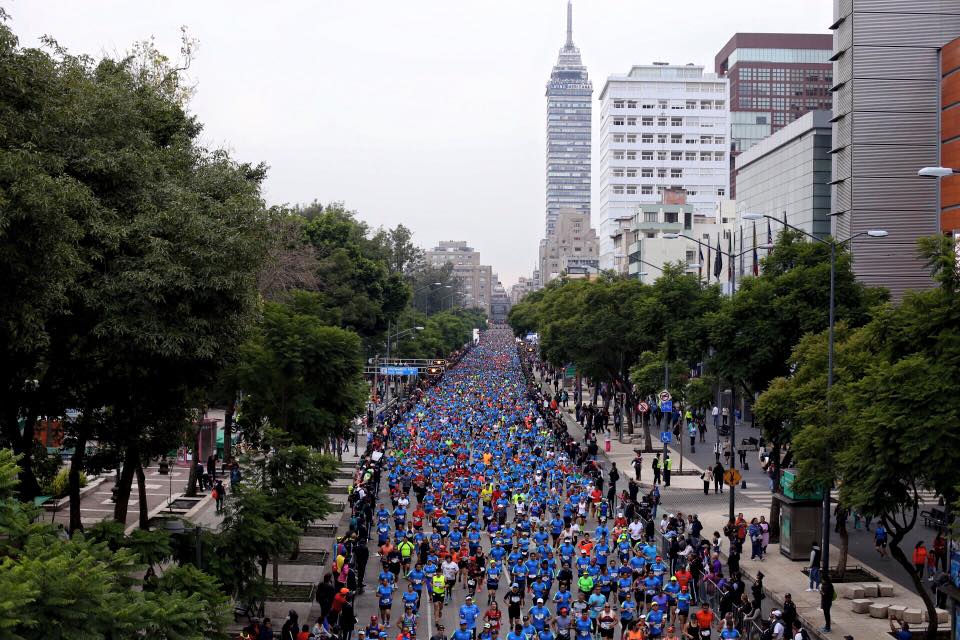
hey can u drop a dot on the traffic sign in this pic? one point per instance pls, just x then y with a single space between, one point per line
732 477
643 407
666 406
666 437
399 371
665 396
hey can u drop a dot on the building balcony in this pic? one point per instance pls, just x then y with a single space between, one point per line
633 248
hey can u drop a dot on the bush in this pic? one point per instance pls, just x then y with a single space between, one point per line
60 485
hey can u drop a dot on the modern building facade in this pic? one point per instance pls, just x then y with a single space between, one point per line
774 79
950 138
572 244
886 113
520 289
499 302
569 108
476 279
788 174
663 127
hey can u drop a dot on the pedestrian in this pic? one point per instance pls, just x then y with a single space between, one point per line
814 568
637 465
219 492
347 620
725 416
706 476
920 558
716 416
827 595
667 469
789 611
291 627
718 478
656 469
880 539
940 551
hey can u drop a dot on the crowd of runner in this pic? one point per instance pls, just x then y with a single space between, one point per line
474 491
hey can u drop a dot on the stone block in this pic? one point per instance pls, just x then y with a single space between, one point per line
913 616
886 589
878 610
895 611
943 616
870 590
852 591
862 605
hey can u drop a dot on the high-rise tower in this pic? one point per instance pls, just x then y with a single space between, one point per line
569 97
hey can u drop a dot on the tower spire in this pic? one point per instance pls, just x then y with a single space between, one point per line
569 23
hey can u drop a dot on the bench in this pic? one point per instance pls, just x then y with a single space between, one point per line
249 611
936 518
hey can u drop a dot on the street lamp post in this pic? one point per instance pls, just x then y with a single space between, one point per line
424 288
396 336
833 244
733 386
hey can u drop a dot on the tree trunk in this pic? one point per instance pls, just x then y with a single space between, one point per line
276 572
628 413
896 538
130 463
76 466
841 528
228 429
142 496
774 503
22 445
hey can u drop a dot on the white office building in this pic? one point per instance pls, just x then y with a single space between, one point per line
662 127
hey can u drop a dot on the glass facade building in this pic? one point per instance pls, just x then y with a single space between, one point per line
569 108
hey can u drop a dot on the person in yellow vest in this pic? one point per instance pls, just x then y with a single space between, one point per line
406 549
438 591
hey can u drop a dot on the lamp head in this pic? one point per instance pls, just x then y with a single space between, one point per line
670 235
877 233
691 267
751 216
418 328
935 172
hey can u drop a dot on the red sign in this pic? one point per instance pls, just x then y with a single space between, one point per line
643 407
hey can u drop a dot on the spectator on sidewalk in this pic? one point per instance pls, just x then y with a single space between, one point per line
718 478
716 416
827 594
789 612
814 568
638 466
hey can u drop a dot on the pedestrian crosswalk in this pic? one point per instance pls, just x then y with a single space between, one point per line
762 496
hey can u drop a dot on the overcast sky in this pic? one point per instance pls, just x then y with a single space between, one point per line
429 113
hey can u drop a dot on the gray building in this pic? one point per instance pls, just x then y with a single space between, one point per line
789 173
569 107
886 126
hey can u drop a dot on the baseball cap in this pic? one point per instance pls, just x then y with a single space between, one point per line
539 600
673 578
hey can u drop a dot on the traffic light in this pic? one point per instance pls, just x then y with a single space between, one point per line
434 371
439 363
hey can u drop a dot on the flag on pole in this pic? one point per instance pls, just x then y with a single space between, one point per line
700 263
730 257
709 260
769 234
756 258
717 262
742 252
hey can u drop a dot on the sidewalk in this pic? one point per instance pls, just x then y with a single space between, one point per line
781 575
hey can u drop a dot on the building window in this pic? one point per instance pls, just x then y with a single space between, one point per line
618 137
691 141
618 155
676 122
718 155
661 122
691 104
631 155
631 122
670 216
631 189
661 155
706 156
706 139
719 104
646 172
646 121
719 140
618 189
706 104
618 104
646 138
691 256
631 104
661 173
632 138
661 138
646 155
690 156
676 155
649 216
651 234
648 105
631 173
646 189
617 173
661 104
618 122
721 191
676 138
676 173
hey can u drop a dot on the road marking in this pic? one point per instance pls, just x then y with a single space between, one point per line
132 501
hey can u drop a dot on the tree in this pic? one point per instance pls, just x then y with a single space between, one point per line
754 331
300 375
81 588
